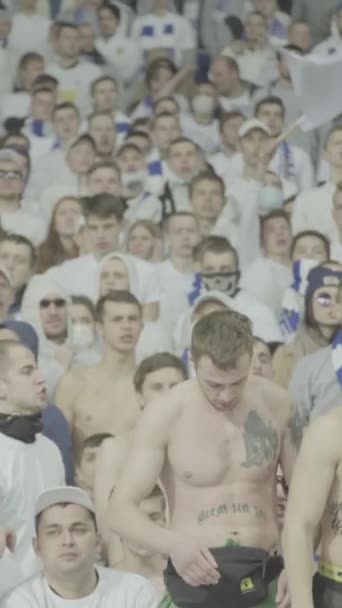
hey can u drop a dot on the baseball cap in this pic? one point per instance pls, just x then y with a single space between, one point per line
250 125
63 494
321 276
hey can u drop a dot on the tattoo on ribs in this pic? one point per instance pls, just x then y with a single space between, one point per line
335 510
295 426
261 441
232 509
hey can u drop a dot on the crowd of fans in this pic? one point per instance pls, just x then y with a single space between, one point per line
144 183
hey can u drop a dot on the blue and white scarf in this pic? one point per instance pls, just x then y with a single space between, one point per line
337 356
293 300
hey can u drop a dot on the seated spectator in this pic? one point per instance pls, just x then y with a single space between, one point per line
121 53
61 243
85 469
104 176
254 55
184 161
74 76
319 326
32 462
105 96
163 29
64 509
12 183
141 204
269 276
233 92
144 241
7 294
18 257
201 125
55 426
17 104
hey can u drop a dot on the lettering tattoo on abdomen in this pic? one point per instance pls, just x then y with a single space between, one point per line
335 510
232 509
261 441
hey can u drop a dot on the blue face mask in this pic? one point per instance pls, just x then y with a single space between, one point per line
270 198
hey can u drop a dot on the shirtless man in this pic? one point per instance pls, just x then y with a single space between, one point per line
315 500
102 399
215 441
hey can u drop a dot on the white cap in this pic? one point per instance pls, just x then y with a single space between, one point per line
63 494
251 124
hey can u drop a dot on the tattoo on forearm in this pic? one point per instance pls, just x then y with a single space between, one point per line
261 441
295 425
335 510
232 509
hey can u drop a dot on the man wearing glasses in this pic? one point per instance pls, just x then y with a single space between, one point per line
315 502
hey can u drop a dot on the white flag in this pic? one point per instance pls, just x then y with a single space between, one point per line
317 83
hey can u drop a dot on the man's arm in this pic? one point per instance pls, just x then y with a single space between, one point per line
292 437
65 395
310 487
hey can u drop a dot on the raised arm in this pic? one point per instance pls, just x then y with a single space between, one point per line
292 437
309 490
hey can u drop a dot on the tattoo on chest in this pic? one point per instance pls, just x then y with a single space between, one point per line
235 508
261 441
335 511
295 426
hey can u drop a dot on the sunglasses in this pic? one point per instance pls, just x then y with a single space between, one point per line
58 302
10 175
284 485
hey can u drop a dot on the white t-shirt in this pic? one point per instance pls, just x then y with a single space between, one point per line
114 590
170 31
122 53
74 83
267 281
172 282
26 224
15 105
313 210
27 470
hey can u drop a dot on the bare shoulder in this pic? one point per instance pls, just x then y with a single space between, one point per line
325 431
273 396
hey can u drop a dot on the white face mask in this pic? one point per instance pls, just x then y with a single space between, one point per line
82 336
203 104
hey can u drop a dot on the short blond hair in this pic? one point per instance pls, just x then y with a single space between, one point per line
223 336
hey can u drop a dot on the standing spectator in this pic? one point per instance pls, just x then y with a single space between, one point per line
166 30
33 462
234 94
105 95
317 14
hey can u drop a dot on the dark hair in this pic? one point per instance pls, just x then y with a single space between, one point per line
152 228
136 133
27 58
210 176
112 8
156 65
63 25
215 244
103 206
165 98
101 113
315 234
84 138
86 302
63 504
45 80
270 100
18 239
230 116
52 252
163 115
116 297
154 363
104 78
169 218
41 89
128 146
144 121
